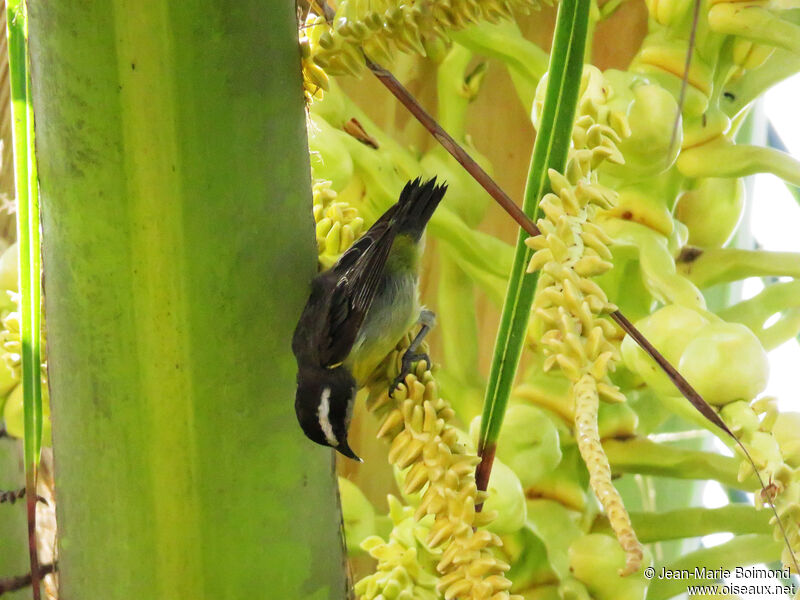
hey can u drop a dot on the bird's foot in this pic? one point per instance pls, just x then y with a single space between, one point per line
406 367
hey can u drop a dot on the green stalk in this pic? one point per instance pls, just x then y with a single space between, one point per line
456 289
738 519
738 160
549 152
526 62
713 266
650 458
777 298
178 249
755 82
26 182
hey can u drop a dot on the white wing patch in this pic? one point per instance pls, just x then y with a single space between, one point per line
323 413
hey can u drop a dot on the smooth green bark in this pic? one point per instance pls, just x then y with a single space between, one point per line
178 246
13 521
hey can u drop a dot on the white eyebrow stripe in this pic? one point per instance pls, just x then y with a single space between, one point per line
323 413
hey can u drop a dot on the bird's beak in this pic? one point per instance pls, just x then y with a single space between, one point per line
344 449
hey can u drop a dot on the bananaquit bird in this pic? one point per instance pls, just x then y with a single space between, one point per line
357 312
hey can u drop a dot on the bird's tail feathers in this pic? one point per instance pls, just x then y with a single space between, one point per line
416 205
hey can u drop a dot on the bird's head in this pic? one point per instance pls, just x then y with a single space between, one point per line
323 404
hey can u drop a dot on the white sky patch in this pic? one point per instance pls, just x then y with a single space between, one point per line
774 222
323 412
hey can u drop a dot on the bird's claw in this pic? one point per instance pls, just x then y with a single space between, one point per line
409 358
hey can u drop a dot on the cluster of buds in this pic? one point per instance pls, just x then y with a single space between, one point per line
315 80
405 561
438 467
11 395
772 440
11 339
376 26
337 224
571 250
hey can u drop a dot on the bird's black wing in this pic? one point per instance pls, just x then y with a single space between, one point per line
359 272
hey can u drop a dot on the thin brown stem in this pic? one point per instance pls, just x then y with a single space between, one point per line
680 382
445 139
35 575
685 80
12 584
484 469
405 97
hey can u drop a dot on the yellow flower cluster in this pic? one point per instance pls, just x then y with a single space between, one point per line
773 441
12 340
570 305
338 224
315 80
376 26
416 421
588 438
404 569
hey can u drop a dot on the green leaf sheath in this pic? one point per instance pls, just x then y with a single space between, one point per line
27 190
25 177
549 152
738 519
643 456
178 248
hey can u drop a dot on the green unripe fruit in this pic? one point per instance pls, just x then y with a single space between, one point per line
645 206
787 432
712 211
699 130
527 555
695 103
572 589
8 380
507 498
12 413
358 515
567 484
548 592
623 284
14 418
529 443
740 418
9 269
765 451
725 362
334 109
669 330
647 150
596 559
329 156
616 420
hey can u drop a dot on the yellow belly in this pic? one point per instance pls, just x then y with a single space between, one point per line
393 312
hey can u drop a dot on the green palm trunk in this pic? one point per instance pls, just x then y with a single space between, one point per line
178 245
